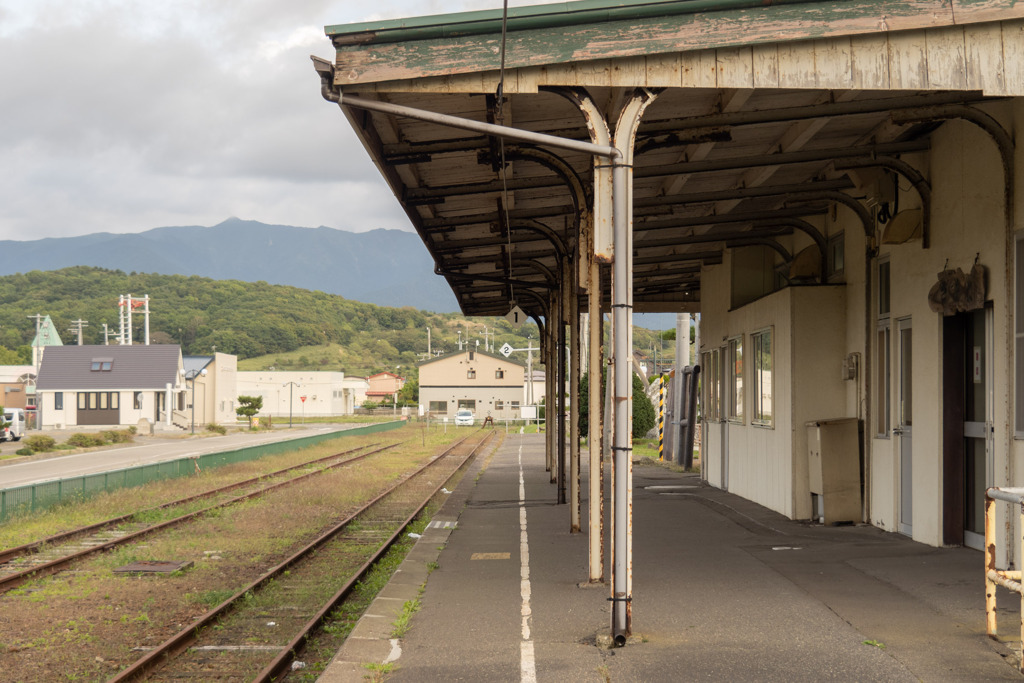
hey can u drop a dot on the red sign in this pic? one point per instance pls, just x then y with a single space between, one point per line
302 398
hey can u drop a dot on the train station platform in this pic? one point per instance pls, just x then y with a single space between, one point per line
723 590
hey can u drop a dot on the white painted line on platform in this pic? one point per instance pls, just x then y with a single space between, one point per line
396 651
527 662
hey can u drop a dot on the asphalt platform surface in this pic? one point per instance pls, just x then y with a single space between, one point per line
723 590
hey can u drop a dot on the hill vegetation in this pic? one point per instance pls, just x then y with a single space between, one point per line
265 325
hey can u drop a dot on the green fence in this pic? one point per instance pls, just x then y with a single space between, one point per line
35 497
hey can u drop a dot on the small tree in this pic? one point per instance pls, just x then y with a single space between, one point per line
250 406
644 417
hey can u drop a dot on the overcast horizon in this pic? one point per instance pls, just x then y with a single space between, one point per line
122 116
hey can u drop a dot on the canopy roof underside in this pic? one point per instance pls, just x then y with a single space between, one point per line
743 145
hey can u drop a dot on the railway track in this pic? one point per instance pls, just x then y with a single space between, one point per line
256 633
55 553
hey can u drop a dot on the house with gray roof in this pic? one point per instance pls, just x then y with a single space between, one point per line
110 385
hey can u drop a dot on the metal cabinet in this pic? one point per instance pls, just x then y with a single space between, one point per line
834 467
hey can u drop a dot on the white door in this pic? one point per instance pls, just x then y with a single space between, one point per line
904 425
723 379
978 419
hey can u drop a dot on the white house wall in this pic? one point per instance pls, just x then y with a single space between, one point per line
326 393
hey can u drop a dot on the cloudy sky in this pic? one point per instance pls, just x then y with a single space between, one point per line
126 115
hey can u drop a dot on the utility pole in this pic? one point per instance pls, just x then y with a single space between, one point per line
428 342
291 389
106 335
35 348
76 326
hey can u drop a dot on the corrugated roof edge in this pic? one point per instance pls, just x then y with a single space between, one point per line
531 17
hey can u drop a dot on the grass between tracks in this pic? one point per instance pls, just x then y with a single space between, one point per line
84 624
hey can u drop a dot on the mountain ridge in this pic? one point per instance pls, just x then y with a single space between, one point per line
380 266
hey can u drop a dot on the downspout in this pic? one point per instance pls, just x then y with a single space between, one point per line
621 303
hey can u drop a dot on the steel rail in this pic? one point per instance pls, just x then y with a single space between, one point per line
14 580
34 547
184 638
283 661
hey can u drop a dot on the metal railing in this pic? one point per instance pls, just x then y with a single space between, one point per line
1001 577
37 497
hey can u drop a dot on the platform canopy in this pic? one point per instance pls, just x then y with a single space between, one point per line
765 117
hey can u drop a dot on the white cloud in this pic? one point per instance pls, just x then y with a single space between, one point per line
124 115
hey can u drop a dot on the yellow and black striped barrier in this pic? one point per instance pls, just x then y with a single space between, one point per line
661 417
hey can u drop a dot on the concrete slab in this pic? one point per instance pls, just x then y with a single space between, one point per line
723 589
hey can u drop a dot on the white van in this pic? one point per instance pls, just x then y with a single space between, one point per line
16 429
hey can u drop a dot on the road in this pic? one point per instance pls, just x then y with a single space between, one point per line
145 450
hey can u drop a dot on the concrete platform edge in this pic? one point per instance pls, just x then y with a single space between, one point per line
370 642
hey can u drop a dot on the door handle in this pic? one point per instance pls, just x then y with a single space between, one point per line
897 431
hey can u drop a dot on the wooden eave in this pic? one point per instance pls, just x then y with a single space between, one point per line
390 51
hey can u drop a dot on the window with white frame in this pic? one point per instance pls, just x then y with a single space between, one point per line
1019 338
763 407
883 359
836 257
712 378
734 372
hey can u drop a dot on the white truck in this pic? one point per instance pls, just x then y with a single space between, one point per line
16 427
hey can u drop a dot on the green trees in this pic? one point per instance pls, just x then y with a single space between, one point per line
249 407
410 392
247 319
643 411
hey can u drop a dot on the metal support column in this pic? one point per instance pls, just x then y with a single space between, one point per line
574 393
560 368
595 425
550 380
622 308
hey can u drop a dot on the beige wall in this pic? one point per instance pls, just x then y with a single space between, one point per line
812 338
447 379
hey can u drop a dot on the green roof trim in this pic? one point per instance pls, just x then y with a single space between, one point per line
531 17
47 335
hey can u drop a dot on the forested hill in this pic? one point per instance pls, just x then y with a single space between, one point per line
383 267
298 328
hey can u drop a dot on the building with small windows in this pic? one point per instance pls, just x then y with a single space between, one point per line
489 385
108 385
111 386
384 387
19 385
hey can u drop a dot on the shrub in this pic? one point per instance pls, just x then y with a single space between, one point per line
219 429
117 436
24 450
370 405
85 440
40 443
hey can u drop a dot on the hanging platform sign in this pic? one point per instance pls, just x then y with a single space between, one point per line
516 316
